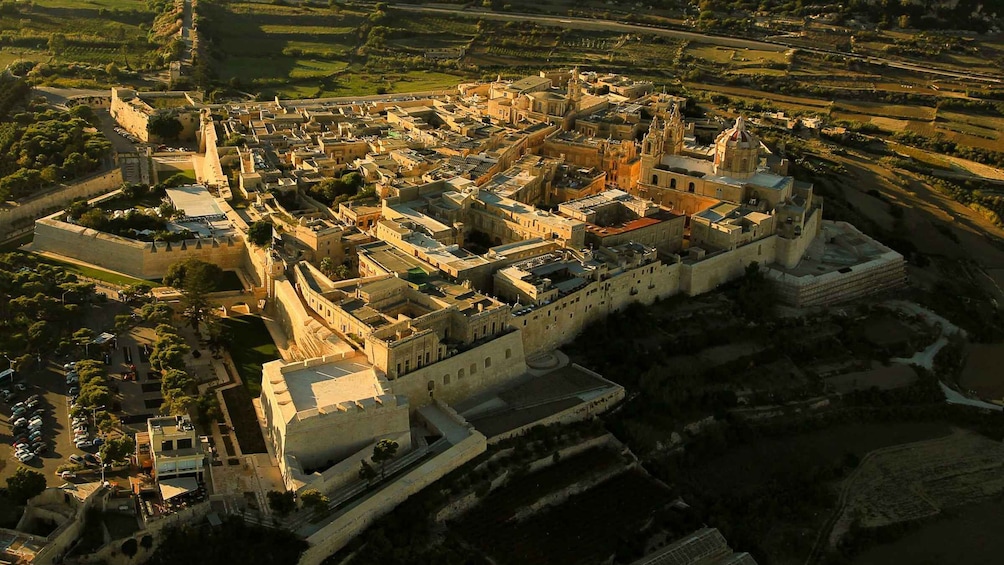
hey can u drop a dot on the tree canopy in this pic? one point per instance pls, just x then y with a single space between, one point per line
196 279
25 484
165 125
260 233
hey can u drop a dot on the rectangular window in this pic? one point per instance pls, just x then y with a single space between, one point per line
167 445
185 443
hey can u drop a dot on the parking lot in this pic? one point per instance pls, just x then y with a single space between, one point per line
50 385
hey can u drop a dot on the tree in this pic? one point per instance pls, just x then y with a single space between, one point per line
83 337
196 279
756 294
208 407
25 484
383 452
57 43
260 233
130 547
367 472
118 449
282 503
122 323
316 501
165 125
327 267
156 313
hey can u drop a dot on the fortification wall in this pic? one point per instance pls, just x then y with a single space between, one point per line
549 326
310 336
791 251
21 216
494 364
309 436
135 258
335 535
706 274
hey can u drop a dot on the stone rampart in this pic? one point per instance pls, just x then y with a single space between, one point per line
18 217
145 260
338 533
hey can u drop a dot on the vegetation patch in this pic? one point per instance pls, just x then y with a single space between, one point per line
251 345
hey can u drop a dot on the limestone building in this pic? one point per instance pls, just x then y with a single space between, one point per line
322 410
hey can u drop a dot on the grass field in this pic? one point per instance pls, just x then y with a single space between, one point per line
250 346
270 44
94 273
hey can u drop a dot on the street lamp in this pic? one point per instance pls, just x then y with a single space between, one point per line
9 360
63 298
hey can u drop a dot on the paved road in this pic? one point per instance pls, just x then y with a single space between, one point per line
59 96
777 45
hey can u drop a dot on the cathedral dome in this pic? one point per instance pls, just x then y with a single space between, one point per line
737 151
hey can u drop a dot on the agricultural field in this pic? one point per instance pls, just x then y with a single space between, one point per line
919 480
93 43
268 46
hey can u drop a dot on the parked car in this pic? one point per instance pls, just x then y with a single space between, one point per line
33 398
20 422
25 456
67 475
72 380
20 386
76 459
18 405
83 444
70 366
97 441
18 412
73 391
35 435
35 420
91 459
32 404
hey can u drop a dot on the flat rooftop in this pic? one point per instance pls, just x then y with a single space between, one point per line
348 380
533 399
194 200
839 247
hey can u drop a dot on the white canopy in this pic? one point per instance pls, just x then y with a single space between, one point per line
170 488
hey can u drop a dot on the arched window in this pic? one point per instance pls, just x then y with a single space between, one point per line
432 386
488 362
474 368
655 179
672 183
446 379
508 353
460 374
690 187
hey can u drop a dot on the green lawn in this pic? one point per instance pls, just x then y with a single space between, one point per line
250 346
94 273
